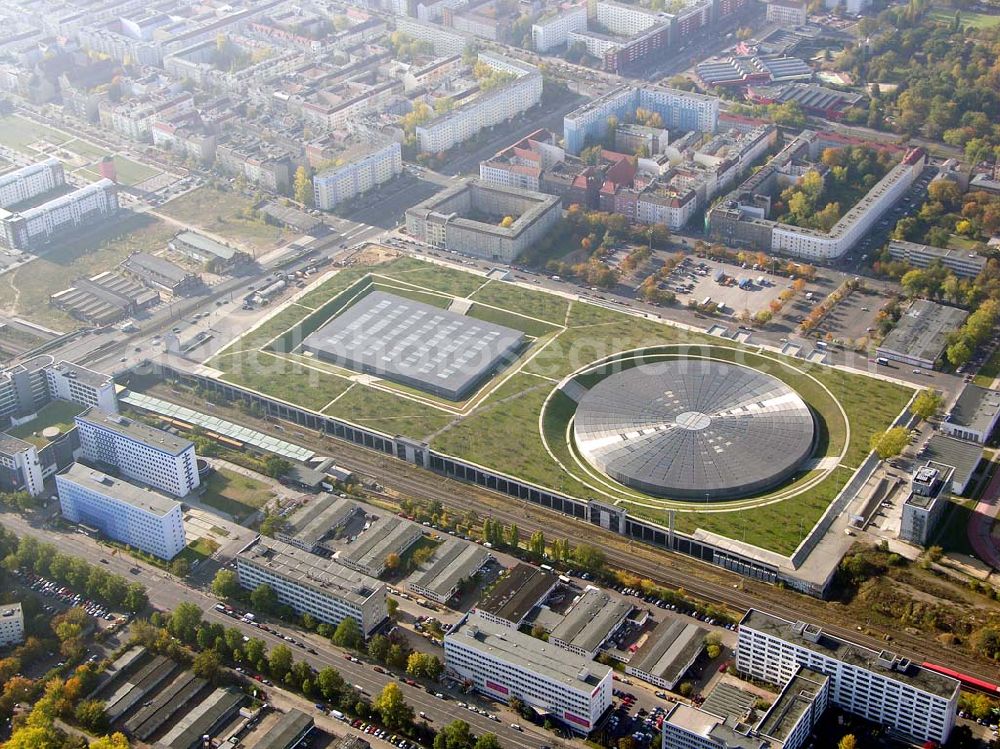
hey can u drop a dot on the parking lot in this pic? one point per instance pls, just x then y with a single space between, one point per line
697 280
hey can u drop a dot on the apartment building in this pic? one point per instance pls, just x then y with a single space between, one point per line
741 219
787 13
11 624
552 30
134 118
974 414
138 451
523 164
625 20
443 219
260 163
503 664
363 167
20 468
484 110
78 384
877 686
311 584
30 181
680 110
138 516
962 264
41 224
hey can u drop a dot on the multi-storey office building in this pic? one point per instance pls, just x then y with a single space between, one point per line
20 468
24 388
72 382
311 584
963 264
503 664
137 516
11 624
926 502
878 686
30 181
139 451
39 225
787 13
680 110
364 167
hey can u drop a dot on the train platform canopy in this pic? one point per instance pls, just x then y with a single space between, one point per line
214 424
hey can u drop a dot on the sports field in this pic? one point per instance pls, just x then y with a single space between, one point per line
80 157
518 422
968 18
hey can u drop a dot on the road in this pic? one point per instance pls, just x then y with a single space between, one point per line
166 592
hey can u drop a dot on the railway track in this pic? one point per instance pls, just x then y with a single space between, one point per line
702 580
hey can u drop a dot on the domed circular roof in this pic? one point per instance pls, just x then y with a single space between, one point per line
694 429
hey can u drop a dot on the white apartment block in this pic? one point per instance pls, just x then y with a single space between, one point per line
39 224
787 13
135 515
486 110
503 663
625 20
853 225
11 624
878 686
71 382
311 584
20 468
140 452
597 45
853 7
364 170
551 32
30 181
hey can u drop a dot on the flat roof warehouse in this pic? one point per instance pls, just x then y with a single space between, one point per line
415 344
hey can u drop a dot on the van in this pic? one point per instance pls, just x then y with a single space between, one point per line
338 715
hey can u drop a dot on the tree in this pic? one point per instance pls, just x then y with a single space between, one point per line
272 524
330 682
392 706
184 621
303 186
890 443
959 352
589 557
378 648
986 642
276 467
206 665
263 598
392 561
848 742
254 650
348 634
454 735
90 714
279 661
135 598
487 741
536 544
180 567
225 584
927 403
117 740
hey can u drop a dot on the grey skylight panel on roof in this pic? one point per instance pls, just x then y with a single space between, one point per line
415 344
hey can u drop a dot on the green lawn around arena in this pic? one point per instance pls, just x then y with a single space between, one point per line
516 424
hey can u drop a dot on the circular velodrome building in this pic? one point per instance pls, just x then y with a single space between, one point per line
694 429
